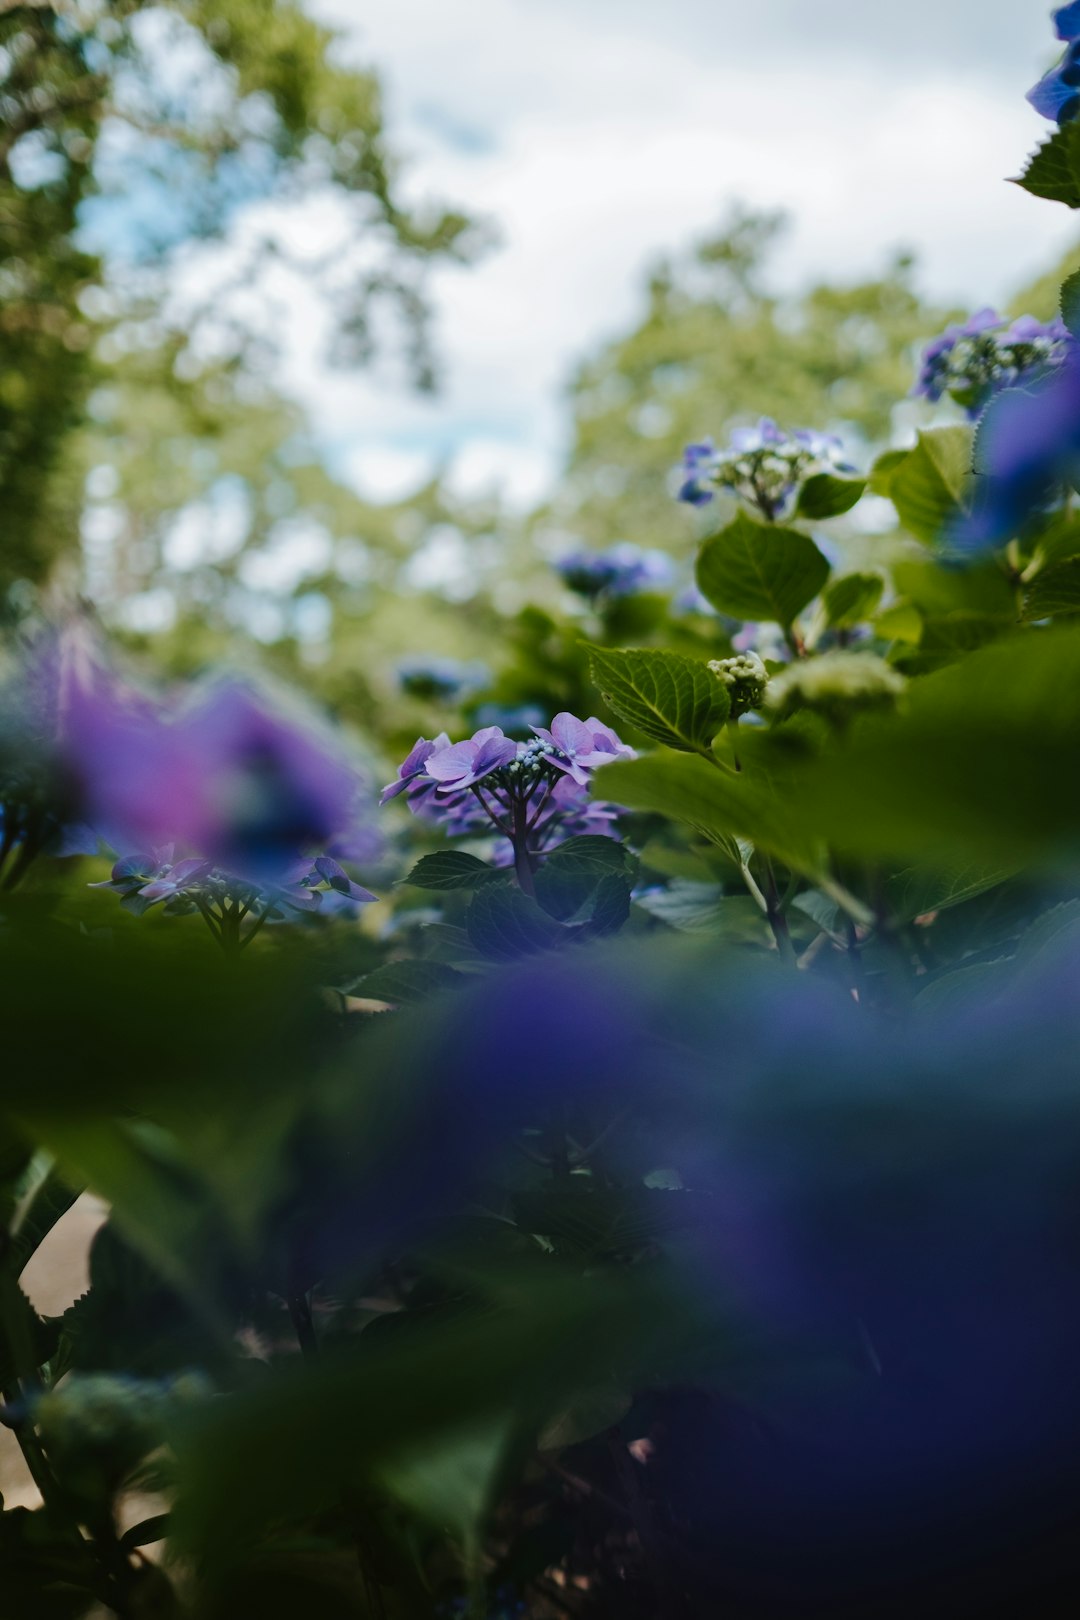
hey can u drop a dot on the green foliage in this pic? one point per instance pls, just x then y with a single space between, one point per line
926 484
1054 593
826 496
754 571
1053 171
853 599
451 869
671 699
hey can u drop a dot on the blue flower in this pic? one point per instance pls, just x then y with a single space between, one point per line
621 570
1057 94
1026 453
763 465
974 361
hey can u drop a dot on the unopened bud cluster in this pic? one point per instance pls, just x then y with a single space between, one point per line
838 685
746 679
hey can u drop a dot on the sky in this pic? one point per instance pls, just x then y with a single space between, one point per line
597 134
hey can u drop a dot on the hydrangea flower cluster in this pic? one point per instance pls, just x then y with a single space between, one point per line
1057 94
763 465
441 680
973 361
225 901
222 803
621 570
534 794
746 679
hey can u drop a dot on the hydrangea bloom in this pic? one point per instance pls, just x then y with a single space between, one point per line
762 465
441 680
224 900
621 570
1057 94
227 777
1027 453
535 794
973 361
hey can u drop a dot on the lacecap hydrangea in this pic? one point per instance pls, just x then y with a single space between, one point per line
533 794
764 466
973 361
620 570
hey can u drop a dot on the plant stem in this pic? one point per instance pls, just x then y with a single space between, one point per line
522 860
775 913
304 1328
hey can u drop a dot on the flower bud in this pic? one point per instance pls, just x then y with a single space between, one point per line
746 679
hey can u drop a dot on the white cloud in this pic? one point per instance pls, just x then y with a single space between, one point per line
597 134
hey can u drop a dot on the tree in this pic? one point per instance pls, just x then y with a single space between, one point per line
716 345
131 131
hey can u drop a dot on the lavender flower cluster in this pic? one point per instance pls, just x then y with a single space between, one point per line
219 802
441 680
1057 94
534 794
974 361
763 465
621 570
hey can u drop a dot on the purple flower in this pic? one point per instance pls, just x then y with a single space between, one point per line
1026 453
763 465
699 463
619 571
463 764
535 793
578 746
414 766
974 361
227 777
1057 94
441 679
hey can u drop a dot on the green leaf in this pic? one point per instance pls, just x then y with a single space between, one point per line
44 1206
611 906
918 890
671 699
573 873
406 981
1070 303
983 764
1054 593
852 599
900 623
825 496
703 908
757 572
505 924
926 484
146 1533
1053 172
759 806
452 869
453 1481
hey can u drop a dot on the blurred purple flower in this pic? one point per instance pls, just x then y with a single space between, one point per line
1057 94
1027 453
621 570
228 777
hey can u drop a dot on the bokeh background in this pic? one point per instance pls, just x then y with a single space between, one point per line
327 328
